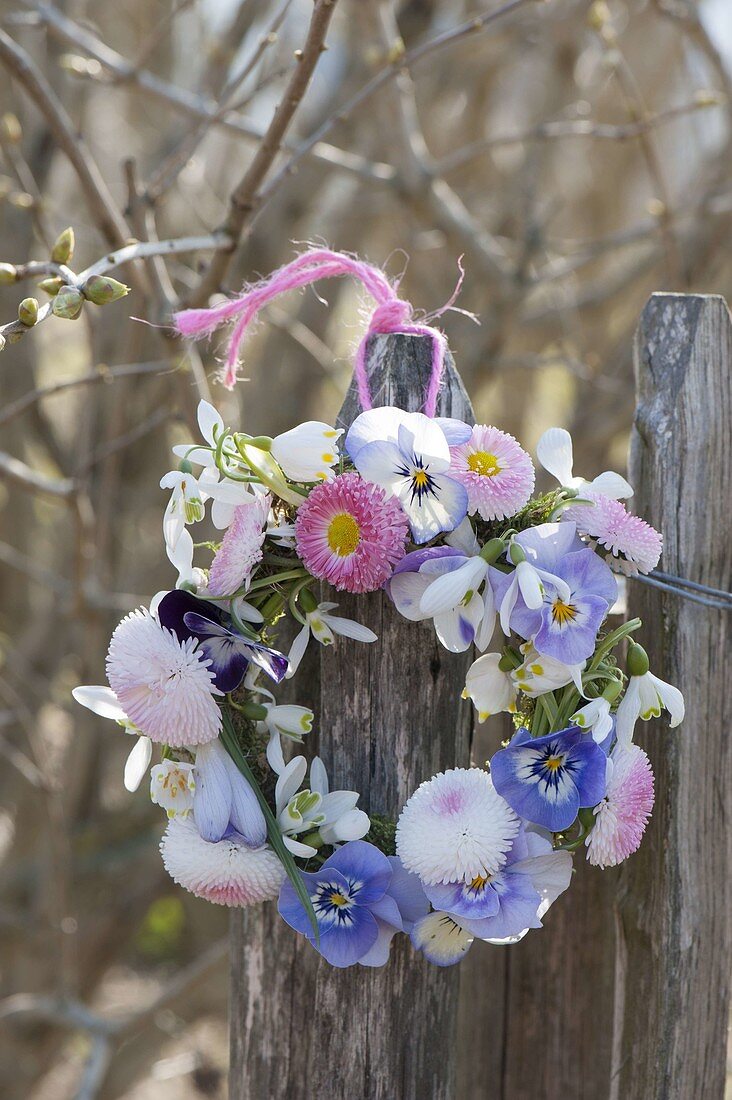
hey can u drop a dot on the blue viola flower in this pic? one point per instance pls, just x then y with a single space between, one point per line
408 454
502 908
229 651
579 590
360 900
547 780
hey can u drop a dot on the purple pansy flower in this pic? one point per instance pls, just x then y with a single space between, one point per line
358 897
579 590
230 652
224 803
500 908
408 454
546 780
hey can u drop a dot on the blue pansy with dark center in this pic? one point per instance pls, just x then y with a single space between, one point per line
546 780
229 651
361 898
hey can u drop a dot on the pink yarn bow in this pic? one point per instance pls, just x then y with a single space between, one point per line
392 314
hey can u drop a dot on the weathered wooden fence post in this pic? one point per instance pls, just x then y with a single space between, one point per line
390 717
674 946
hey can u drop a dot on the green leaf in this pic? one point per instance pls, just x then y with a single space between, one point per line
231 744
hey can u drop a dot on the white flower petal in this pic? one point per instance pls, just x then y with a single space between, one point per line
447 591
101 700
349 628
610 484
137 763
554 451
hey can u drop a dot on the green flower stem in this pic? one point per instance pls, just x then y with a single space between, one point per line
612 640
232 746
278 578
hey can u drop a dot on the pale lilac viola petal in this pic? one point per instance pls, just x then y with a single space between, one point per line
380 463
455 431
374 424
546 545
573 641
407 890
363 865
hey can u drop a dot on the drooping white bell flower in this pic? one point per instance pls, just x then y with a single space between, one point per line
308 452
645 697
101 700
172 786
554 451
186 504
539 674
595 718
323 627
332 814
491 690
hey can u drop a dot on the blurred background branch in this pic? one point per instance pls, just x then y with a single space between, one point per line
576 153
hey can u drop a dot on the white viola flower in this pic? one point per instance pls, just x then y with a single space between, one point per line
539 674
172 786
308 452
101 700
281 533
554 451
645 697
332 814
185 504
491 690
595 718
323 627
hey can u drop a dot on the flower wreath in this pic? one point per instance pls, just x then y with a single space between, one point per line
441 516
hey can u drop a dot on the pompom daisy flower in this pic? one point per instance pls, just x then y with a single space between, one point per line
350 533
163 685
455 827
496 471
225 872
621 817
241 548
633 545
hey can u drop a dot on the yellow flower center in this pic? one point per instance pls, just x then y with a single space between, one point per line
483 463
343 534
553 763
420 479
478 883
338 899
563 613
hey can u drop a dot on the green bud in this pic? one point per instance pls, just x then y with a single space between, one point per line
516 554
8 274
28 312
272 607
68 303
508 662
51 286
637 661
307 600
185 466
261 442
587 818
255 711
63 249
492 550
101 290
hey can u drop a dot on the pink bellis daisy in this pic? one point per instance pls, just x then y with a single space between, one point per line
225 872
350 533
621 817
497 472
163 685
241 548
633 545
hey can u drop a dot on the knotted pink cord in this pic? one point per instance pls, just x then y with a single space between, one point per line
392 314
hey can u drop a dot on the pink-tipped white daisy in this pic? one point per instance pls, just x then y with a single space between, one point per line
633 545
621 817
455 827
350 533
163 685
496 471
241 548
225 872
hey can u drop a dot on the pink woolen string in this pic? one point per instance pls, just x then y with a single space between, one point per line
392 314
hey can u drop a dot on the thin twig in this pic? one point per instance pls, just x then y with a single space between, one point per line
245 195
21 66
